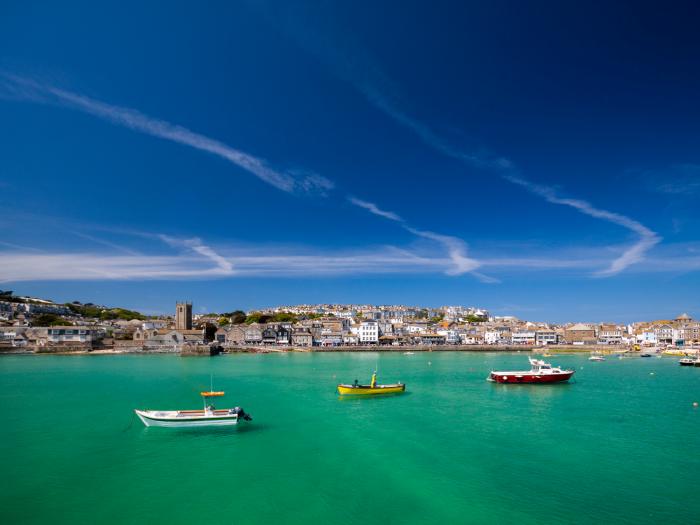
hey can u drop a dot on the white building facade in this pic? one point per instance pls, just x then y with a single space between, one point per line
368 332
523 338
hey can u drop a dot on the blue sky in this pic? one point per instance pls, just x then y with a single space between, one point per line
534 158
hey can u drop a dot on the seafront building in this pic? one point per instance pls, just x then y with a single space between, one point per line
321 326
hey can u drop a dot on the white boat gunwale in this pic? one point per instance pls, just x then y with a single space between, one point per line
183 415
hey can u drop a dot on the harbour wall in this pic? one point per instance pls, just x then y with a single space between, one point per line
128 347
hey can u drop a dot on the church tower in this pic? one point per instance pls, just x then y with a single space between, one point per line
183 316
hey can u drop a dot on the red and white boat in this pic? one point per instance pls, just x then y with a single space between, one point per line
540 372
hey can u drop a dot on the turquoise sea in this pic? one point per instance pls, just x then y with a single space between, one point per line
619 445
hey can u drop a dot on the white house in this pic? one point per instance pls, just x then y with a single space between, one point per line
492 337
609 335
451 336
368 332
73 334
648 337
155 324
416 327
523 338
469 339
664 334
546 337
13 336
350 338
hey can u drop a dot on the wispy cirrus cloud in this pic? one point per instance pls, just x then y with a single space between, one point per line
506 169
676 181
307 182
647 238
21 88
90 266
195 244
457 251
194 259
374 209
104 242
17 266
456 248
632 255
354 64
290 181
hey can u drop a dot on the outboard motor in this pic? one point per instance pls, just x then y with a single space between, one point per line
241 414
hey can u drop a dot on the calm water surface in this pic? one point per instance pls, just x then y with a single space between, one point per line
620 445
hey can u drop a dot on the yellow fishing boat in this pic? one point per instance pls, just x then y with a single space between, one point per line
373 388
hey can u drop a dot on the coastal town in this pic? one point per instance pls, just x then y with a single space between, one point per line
29 324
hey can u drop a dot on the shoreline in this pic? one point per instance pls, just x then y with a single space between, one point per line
205 350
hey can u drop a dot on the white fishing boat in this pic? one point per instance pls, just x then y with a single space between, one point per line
596 357
209 416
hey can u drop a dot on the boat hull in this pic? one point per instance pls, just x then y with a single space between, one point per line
366 390
529 377
155 418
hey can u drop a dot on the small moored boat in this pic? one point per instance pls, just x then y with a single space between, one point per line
372 389
596 357
540 372
207 417
688 361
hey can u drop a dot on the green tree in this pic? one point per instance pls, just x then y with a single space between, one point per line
105 314
257 317
316 316
238 317
284 317
210 331
108 315
128 315
49 320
